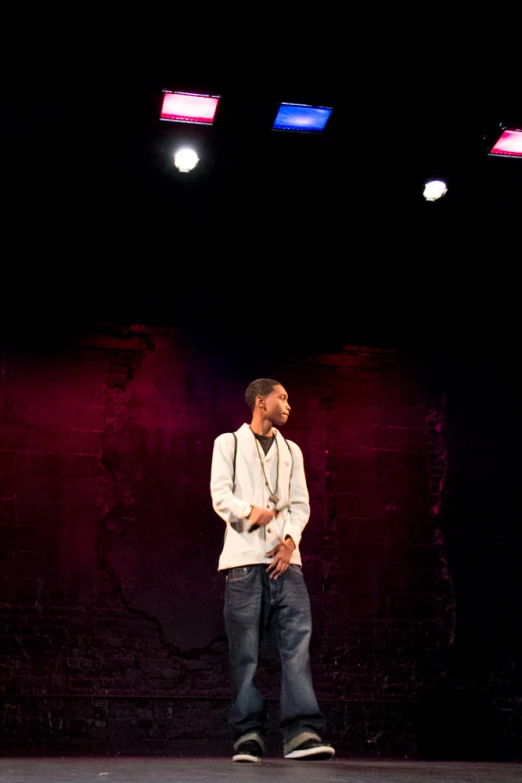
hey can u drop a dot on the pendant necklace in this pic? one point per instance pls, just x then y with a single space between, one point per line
273 495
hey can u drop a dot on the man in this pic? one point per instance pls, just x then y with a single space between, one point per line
259 489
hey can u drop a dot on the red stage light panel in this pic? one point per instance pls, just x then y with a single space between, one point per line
188 107
508 145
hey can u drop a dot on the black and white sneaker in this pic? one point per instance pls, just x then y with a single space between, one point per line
248 751
313 749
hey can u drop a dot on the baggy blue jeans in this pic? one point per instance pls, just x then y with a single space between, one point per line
252 601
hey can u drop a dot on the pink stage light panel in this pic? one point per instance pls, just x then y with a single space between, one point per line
508 145
186 107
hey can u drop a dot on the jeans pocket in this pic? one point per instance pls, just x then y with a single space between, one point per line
237 574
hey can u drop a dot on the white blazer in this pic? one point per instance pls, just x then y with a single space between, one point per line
232 496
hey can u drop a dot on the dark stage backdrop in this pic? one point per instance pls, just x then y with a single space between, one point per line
111 630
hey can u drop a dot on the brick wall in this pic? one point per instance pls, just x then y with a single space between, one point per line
111 631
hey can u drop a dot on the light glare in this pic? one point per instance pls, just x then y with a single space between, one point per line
434 190
186 159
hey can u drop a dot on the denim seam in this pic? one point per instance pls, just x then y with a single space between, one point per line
240 578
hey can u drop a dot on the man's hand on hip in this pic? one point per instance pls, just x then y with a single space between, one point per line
282 554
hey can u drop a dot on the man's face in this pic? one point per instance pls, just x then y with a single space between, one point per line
276 405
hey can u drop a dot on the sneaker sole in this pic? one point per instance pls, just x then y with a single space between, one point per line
318 754
246 757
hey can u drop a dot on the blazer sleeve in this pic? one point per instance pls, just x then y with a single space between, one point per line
224 502
299 514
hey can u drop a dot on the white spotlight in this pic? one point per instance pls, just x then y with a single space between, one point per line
185 159
434 189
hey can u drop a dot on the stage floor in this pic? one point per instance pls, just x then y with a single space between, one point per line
197 769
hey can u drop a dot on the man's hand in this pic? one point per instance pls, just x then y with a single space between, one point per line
260 517
282 554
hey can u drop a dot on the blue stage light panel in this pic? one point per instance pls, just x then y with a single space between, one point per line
301 118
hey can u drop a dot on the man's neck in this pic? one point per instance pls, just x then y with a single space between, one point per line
261 426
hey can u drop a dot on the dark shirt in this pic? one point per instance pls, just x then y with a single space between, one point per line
266 441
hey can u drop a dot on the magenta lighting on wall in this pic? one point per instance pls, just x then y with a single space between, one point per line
508 144
301 118
189 107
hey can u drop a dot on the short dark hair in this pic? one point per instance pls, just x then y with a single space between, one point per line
262 386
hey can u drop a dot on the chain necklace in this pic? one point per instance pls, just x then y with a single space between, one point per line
273 495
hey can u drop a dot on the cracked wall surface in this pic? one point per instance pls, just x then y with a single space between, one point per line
109 545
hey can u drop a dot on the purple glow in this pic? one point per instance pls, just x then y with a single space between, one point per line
509 144
184 107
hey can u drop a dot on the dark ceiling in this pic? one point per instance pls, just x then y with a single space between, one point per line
327 234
